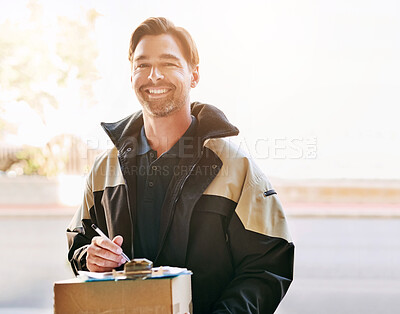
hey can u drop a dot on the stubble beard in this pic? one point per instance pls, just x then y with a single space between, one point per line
160 109
165 107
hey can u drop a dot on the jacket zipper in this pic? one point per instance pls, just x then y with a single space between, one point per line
122 162
175 202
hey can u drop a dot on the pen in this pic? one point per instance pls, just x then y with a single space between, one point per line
105 237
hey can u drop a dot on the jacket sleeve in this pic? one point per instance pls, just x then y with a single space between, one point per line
261 249
79 233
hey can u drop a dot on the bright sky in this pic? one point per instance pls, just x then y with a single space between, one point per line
312 85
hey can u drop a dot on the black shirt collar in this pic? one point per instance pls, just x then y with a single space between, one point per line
144 146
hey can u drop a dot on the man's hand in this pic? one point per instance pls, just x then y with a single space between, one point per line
104 254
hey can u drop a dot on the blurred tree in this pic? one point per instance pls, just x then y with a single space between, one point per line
43 57
33 56
78 51
25 63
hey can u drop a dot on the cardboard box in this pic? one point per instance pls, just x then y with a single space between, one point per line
150 296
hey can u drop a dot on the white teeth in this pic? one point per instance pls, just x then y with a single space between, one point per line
157 91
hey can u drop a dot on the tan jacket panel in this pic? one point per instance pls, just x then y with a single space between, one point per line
106 172
241 181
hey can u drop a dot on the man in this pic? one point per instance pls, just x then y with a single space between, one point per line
174 190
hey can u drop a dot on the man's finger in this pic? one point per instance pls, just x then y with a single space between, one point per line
104 263
96 268
107 244
118 240
99 252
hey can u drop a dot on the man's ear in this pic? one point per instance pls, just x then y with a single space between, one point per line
131 74
132 81
195 76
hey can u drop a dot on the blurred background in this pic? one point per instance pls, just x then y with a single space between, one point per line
311 85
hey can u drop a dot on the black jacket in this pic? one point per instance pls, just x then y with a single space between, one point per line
220 218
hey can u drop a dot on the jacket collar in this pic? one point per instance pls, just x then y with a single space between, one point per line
212 123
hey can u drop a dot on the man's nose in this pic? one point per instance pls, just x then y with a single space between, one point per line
155 74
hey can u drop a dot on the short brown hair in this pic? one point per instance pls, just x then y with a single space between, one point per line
160 25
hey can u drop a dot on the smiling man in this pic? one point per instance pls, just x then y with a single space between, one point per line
174 189
161 77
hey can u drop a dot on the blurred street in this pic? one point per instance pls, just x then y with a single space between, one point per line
343 265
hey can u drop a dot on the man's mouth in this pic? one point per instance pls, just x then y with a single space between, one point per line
156 92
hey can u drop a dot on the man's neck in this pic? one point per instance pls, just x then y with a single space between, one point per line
163 132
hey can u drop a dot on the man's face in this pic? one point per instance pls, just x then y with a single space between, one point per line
161 77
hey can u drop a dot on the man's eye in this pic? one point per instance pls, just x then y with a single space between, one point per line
141 66
170 64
